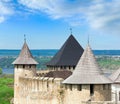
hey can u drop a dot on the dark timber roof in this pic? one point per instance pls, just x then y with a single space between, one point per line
25 56
68 55
59 74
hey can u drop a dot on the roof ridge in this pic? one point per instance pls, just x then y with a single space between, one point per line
117 77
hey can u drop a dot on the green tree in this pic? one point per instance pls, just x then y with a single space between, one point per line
0 70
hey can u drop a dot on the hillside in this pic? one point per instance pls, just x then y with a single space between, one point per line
105 62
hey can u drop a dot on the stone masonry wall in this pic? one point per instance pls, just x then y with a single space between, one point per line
44 90
74 96
41 90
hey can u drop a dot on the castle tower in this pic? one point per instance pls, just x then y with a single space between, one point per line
67 57
87 82
25 66
115 77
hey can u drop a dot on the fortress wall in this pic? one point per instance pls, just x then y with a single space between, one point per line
45 90
102 93
78 96
39 90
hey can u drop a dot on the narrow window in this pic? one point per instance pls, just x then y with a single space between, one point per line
52 80
91 89
29 66
47 85
70 86
104 87
79 87
119 96
73 67
23 66
69 67
66 87
109 87
64 67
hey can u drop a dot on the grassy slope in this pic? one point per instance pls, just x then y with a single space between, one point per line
6 90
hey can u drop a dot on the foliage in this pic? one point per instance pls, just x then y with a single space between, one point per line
105 62
42 61
109 63
6 62
6 90
0 70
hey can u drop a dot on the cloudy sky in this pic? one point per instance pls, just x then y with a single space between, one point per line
47 23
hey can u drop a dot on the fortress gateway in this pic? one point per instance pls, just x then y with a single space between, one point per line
71 77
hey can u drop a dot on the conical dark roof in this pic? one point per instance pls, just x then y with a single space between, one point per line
25 56
68 55
87 71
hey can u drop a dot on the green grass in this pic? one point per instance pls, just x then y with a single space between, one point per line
6 90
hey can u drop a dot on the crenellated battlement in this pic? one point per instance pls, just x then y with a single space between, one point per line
39 89
40 83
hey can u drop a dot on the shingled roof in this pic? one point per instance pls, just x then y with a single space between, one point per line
87 71
25 56
115 77
68 55
59 74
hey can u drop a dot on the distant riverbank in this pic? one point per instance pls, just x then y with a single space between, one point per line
52 52
107 59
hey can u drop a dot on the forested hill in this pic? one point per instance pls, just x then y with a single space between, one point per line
107 59
6 61
105 62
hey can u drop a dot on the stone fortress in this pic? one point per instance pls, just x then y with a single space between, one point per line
72 77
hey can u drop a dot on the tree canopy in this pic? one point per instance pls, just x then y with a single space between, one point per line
0 70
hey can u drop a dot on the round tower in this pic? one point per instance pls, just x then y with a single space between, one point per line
87 83
25 66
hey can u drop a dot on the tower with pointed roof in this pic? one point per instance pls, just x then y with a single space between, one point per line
87 82
25 66
68 55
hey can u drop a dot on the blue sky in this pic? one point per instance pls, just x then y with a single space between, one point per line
47 23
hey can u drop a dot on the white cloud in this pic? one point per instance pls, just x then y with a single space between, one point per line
102 14
6 9
1 19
